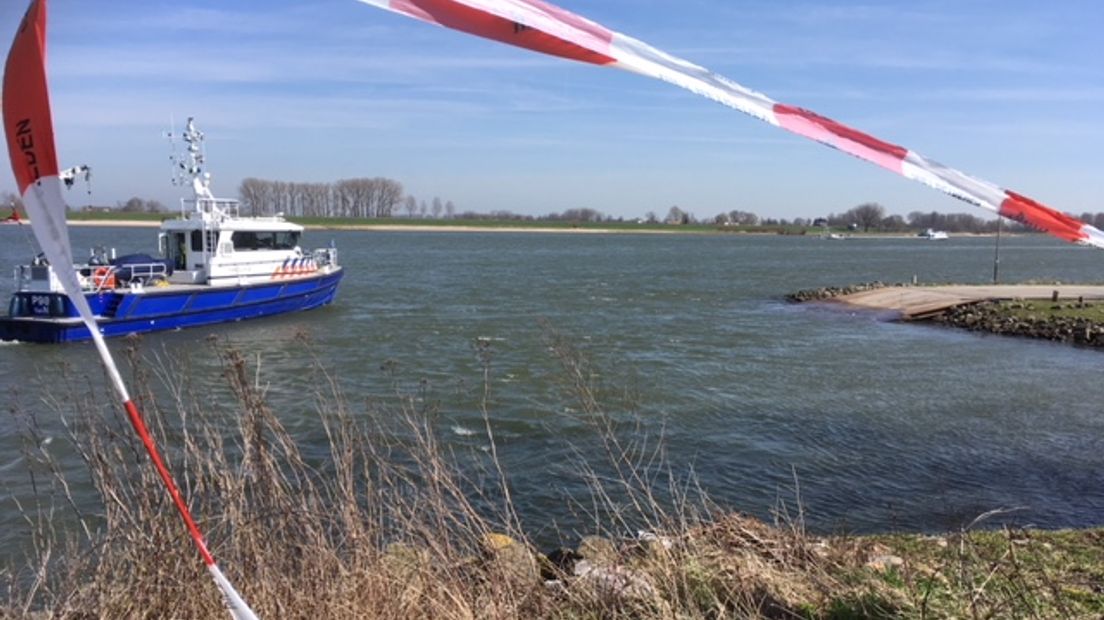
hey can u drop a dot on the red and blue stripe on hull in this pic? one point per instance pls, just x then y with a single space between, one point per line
122 313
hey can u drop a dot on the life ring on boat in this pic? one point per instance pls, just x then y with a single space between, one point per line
103 277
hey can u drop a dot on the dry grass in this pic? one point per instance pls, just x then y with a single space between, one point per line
389 523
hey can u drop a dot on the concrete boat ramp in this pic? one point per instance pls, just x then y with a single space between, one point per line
918 302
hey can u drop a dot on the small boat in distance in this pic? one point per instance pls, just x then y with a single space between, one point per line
215 266
933 235
834 236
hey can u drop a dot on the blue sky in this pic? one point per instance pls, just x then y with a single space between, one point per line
320 90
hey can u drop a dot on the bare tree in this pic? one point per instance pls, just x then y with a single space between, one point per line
867 215
318 200
390 194
134 205
743 218
345 198
894 223
677 216
437 207
578 215
450 210
360 197
371 193
252 193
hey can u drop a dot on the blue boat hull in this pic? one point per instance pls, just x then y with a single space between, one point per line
122 313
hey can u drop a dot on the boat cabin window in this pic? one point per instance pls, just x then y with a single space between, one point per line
245 240
197 240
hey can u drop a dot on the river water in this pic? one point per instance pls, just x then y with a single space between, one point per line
886 426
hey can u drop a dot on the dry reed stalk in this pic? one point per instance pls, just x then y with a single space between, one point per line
391 523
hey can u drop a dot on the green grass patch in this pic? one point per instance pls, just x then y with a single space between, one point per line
1008 573
1063 309
118 216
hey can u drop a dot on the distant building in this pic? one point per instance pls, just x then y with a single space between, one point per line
820 222
95 209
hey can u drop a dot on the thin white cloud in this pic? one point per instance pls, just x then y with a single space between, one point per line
264 64
161 21
1087 94
108 109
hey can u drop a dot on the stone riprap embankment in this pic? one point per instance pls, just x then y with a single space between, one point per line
995 309
830 292
1005 319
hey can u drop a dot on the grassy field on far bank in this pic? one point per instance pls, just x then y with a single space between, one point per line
118 216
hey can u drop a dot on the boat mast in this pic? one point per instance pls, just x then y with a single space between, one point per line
188 169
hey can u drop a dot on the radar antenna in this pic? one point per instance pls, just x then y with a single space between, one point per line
188 166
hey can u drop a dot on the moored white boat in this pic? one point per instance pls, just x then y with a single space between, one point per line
933 235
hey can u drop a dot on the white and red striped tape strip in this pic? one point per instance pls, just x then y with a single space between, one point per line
546 28
28 125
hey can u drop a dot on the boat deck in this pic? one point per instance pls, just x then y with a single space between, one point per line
917 302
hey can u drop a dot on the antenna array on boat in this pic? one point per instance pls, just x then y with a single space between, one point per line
187 166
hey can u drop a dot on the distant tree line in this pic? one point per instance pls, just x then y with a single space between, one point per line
869 217
959 222
872 216
577 215
355 198
415 208
380 197
10 201
137 205
1096 219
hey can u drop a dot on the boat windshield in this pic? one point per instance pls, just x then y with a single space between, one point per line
246 240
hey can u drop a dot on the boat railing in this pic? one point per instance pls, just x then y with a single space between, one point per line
146 272
108 277
324 256
216 207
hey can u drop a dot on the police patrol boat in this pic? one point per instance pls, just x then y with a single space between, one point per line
215 266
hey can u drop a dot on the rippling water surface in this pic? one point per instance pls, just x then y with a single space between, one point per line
886 425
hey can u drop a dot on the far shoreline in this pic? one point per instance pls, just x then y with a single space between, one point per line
672 230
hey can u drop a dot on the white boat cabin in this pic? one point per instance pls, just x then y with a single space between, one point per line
212 245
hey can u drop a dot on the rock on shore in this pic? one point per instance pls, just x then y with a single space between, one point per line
1008 318
992 317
